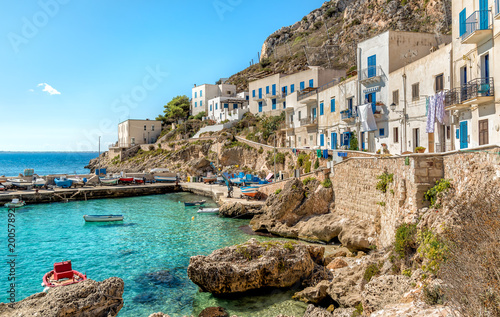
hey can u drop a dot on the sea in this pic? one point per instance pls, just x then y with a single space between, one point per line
45 163
149 250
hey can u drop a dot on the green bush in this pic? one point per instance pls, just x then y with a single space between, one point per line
359 310
330 12
433 295
278 191
407 272
384 181
261 150
200 115
302 158
405 239
307 180
432 248
353 142
372 270
307 167
327 183
435 192
316 164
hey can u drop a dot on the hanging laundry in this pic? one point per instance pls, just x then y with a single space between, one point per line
440 113
366 118
431 116
325 154
318 153
427 106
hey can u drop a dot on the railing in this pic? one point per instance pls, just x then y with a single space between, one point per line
479 20
309 120
309 94
371 72
328 85
348 114
479 87
286 125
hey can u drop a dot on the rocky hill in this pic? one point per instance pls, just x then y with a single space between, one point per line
328 36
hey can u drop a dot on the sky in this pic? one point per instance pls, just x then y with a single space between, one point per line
71 70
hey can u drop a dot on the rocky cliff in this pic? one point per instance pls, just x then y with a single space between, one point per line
86 299
328 36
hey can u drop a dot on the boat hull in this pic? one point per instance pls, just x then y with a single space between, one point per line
65 183
109 182
165 179
126 179
17 205
77 278
208 210
195 203
102 218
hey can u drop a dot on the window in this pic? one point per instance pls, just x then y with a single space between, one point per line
260 93
253 93
332 105
381 132
274 104
439 83
248 97
350 103
216 105
302 85
448 132
321 109
228 92
300 139
415 91
267 90
145 128
210 107
292 89
395 97
284 90
152 128
201 103
395 135
260 106
196 104
311 83
462 19
201 93
235 106
274 90
195 94
300 116
226 106
284 104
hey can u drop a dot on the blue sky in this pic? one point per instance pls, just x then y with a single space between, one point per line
71 70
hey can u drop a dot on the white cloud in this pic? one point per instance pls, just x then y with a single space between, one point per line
49 89
31 90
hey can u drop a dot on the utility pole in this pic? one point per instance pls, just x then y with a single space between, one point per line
275 176
404 113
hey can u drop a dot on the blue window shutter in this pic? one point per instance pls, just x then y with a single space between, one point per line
235 105
322 140
284 104
201 93
458 134
321 109
226 105
462 19
195 104
260 93
332 105
274 89
210 107
216 105
260 106
381 132
311 83
195 94
253 93
201 103
292 89
274 104
267 90
302 85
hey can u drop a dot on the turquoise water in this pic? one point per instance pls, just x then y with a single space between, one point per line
150 251
45 163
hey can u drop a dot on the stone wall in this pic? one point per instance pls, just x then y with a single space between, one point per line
354 183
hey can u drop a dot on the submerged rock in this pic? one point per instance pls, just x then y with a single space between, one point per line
251 266
86 299
313 311
213 312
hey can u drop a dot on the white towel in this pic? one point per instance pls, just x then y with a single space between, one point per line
366 118
440 113
431 115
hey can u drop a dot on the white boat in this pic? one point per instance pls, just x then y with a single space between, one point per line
166 178
15 203
102 218
20 183
39 182
2 188
208 210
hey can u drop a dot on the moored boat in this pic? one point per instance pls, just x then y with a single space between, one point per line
21 183
15 203
62 275
109 181
166 178
39 182
195 203
102 218
126 180
63 182
208 210
138 180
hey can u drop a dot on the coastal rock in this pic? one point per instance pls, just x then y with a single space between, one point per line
314 294
86 299
313 311
250 266
357 236
238 210
213 312
338 263
345 312
415 309
321 228
384 290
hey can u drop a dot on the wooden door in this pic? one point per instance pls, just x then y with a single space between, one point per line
483 132
430 148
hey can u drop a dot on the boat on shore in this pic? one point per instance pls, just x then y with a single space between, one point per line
138 180
39 182
21 183
194 203
208 210
109 181
62 275
103 218
15 203
165 179
63 182
2 188
126 180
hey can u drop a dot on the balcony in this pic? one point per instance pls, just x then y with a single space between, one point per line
348 115
259 98
371 75
308 122
287 126
478 27
272 95
476 92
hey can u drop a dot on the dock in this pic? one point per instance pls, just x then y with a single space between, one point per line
216 192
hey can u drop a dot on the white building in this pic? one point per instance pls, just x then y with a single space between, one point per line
135 132
202 94
228 108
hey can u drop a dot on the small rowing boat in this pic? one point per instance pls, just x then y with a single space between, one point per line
109 181
15 203
102 218
195 203
63 182
170 179
208 210
39 182
126 180
62 275
21 183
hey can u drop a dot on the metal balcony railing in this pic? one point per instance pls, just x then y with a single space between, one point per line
371 72
479 87
304 96
309 120
452 97
478 20
348 114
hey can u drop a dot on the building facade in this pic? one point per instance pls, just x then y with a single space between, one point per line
136 132
228 108
200 95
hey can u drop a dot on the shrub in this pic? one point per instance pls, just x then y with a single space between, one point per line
327 183
407 272
432 248
435 192
358 311
316 164
330 12
405 240
278 191
433 295
353 142
302 158
385 179
151 147
261 150
264 62
200 115
307 180
307 167
370 272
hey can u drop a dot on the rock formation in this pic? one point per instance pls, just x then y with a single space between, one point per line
251 266
238 210
86 299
